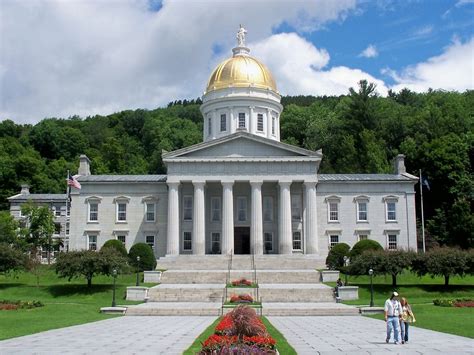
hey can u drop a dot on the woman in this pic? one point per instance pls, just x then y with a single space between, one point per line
406 318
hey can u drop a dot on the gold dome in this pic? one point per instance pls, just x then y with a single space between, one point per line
241 71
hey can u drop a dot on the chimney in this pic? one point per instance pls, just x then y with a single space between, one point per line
399 164
84 165
25 189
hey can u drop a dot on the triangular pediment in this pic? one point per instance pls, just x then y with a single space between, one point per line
241 145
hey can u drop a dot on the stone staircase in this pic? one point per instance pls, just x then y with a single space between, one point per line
193 285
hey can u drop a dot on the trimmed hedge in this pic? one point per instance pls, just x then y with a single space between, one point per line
116 245
364 245
147 257
335 258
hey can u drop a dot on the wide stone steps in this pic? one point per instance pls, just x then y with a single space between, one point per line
308 309
175 309
186 293
291 293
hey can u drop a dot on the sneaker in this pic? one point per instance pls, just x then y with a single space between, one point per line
403 342
396 343
386 340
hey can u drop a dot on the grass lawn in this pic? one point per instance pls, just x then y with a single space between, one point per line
420 293
66 303
281 343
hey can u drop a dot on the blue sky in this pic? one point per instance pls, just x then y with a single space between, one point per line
62 58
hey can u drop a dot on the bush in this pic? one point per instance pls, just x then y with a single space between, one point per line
147 257
11 259
364 245
335 259
116 245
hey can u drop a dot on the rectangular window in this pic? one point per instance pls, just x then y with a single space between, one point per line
188 208
267 209
362 211
260 122
92 242
67 228
223 122
121 238
209 126
391 211
93 212
121 212
150 212
150 240
216 209
242 209
296 207
392 242
273 124
333 240
333 211
187 241
268 239
241 120
57 211
57 228
296 240
215 243
363 237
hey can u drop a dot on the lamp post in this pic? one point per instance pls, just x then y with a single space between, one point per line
371 273
346 261
138 271
114 274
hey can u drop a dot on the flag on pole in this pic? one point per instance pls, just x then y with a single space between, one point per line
424 181
72 181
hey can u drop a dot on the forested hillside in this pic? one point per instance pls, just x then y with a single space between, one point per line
358 133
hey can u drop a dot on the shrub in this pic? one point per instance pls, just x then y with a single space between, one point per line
147 257
116 245
335 259
14 305
11 259
363 245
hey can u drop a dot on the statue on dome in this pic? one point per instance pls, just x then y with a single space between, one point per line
241 36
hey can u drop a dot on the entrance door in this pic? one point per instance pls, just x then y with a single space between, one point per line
242 240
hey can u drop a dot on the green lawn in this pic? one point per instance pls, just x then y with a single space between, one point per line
420 293
66 303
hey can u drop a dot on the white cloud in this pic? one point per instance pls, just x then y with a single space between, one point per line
464 2
60 58
299 67
423 31
452 70
369 52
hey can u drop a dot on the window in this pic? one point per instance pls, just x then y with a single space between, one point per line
296 240
187 241
215 243
273 124
57 228
333 240
268 240
241 120
362 211
296 207
392 242
121 238
121 212
223 123
68 212
260 122
93 211
57 211
209 126
216 209
334 211
391 211
67 228
363 237
242 209
267 209
92 242
150 212
188 208
150 240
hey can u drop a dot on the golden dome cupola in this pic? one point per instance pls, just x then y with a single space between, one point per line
241 94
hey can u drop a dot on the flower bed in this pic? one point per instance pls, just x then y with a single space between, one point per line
6 305
244 298
239 332
241 282
457 302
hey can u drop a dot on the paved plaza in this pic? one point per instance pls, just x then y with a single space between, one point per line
172 335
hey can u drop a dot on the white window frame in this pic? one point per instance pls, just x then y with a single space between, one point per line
267 242
260 125
56 211
389 200
118 212
268 209
336 200
124 241
216 214
148 243
147 212
92 244
330 240
209 126
223 122
296 240
68 226
188 216
296 206
216 241
89 203
274 125
241 121
392 234
359 211
190 241
244 210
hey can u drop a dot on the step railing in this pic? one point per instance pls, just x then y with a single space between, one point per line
255 281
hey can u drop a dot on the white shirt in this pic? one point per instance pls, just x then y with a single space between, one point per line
393 308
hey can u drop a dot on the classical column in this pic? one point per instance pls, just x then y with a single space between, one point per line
284 231
172 243
199 245
256 222
227 218
311 232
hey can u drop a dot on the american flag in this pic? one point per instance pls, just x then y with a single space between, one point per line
72 181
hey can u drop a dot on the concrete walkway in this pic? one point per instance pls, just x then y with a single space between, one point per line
122 335
362 335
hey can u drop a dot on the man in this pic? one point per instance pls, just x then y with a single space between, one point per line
393 313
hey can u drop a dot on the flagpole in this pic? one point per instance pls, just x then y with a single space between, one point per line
422 215
68 192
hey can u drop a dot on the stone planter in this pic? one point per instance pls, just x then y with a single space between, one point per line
329 275
137 293
347 293
152 276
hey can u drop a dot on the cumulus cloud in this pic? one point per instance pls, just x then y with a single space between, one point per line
60 58
299 67
369 52
452 70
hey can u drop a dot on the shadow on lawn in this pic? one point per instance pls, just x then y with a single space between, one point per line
12 284
387 289
70 290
